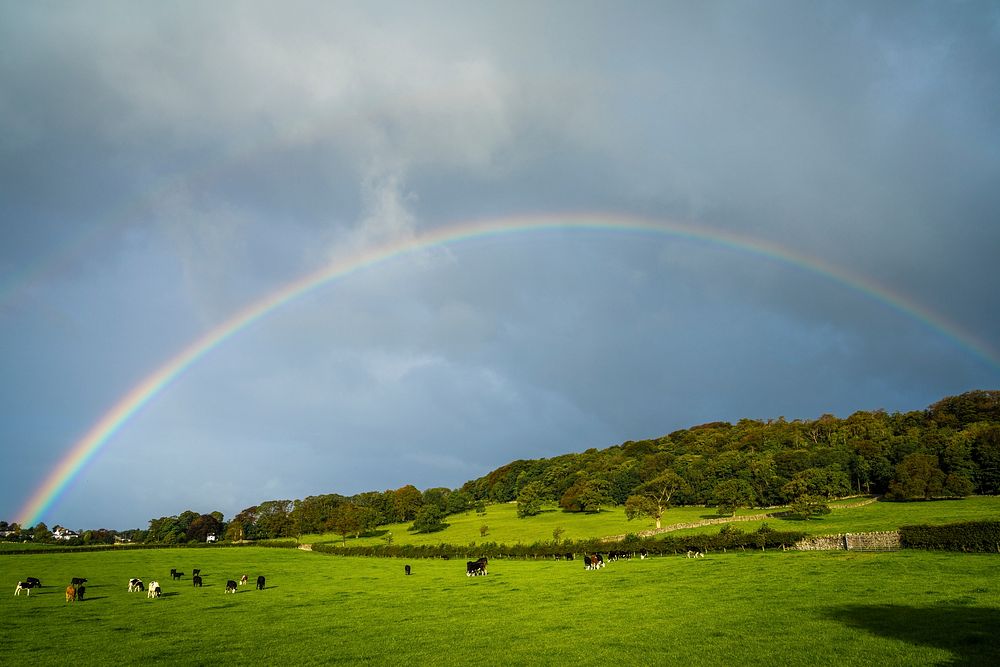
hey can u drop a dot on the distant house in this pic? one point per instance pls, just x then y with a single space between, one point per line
61 533
210 537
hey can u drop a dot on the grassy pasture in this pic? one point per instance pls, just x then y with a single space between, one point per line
506 528
903 608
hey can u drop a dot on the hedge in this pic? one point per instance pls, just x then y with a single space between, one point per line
973 536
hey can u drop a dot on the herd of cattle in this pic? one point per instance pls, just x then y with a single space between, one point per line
473 568
76 589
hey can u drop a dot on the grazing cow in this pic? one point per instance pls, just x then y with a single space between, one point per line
70 593
475 568
195 572
593 561
244 579
24 586
230 586
260 582
80 591
176 575
173 571
154 590
569 556
77 581
196 581
134 585
643 553
695 553
407 568
35 583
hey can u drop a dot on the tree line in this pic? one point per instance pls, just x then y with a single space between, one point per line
951 449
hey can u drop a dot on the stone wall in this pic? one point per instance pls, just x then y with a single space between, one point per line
881 541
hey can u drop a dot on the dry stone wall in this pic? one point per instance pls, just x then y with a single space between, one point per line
879 541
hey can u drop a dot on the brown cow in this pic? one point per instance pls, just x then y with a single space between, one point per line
70 593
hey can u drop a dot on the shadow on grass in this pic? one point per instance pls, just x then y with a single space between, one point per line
970 633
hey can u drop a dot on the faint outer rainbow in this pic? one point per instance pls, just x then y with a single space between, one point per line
84 450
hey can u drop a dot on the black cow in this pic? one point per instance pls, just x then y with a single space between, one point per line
176 575
407 568
173 571
260 582
196 581
195 572
80 590
76 581
474 568
230 586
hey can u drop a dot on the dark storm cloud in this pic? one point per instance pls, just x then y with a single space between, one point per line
163 166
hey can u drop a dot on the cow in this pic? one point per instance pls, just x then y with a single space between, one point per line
134 585
80 591
35 583
244 579
70 593
260 582
196 581
230 586
154 590
695 553
24 586
643 553
173 571
195 572
593 561
406 568
176 575
474 568
77 581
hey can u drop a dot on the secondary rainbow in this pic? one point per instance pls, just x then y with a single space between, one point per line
88 446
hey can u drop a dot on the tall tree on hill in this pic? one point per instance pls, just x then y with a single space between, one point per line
652 499
529 500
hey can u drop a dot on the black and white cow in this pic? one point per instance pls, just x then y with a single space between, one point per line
134 585
196 580
230 586
475 568
35 583
24 586
260 583
153 591
643 553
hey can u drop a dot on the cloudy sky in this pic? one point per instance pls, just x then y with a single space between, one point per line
165 165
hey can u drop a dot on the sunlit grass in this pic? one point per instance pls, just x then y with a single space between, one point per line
904 608
506 528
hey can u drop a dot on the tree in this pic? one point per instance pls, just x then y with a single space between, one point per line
429 520
585 495
917 476
345 520
653 498
807 506
732 494
529 501
557 533
408 501
202 526
484 530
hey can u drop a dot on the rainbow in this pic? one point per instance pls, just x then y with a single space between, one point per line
87 447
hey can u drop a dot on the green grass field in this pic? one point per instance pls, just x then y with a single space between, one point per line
506 528
903 608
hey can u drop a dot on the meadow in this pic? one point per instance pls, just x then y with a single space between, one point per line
506 528
902 608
